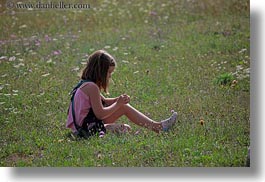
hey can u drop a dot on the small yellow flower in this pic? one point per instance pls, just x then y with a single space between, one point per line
201 121
147 71
234 82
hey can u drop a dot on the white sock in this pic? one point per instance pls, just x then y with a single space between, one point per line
168 123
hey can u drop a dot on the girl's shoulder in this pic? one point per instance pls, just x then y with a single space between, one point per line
88 84
89 88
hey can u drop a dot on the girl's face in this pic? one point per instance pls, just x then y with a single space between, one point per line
110 72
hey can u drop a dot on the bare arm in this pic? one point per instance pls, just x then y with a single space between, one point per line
109 101
101 112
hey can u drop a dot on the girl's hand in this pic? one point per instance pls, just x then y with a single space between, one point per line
127 98
123 99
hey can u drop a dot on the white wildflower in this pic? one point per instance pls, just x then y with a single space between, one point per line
107 47
45 75
239 67
75 68
19 65
3 58
13 58
125 61
22 26
49 61
115 48
242 50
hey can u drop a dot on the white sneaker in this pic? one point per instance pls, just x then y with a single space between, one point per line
168 123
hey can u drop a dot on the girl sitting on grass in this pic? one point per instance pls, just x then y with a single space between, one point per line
89 102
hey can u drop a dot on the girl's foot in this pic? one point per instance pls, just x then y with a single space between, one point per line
168 123
118 128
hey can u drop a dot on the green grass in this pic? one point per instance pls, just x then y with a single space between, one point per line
169 55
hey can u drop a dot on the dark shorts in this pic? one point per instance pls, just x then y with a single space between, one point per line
92 124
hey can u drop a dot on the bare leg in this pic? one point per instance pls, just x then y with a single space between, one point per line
134 116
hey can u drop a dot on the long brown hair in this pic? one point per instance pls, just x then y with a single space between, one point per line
97 69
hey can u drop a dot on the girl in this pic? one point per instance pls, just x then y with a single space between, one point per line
89 100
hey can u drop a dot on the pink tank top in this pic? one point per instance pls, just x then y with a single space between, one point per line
82 106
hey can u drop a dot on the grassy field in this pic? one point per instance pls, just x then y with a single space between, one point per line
190 56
